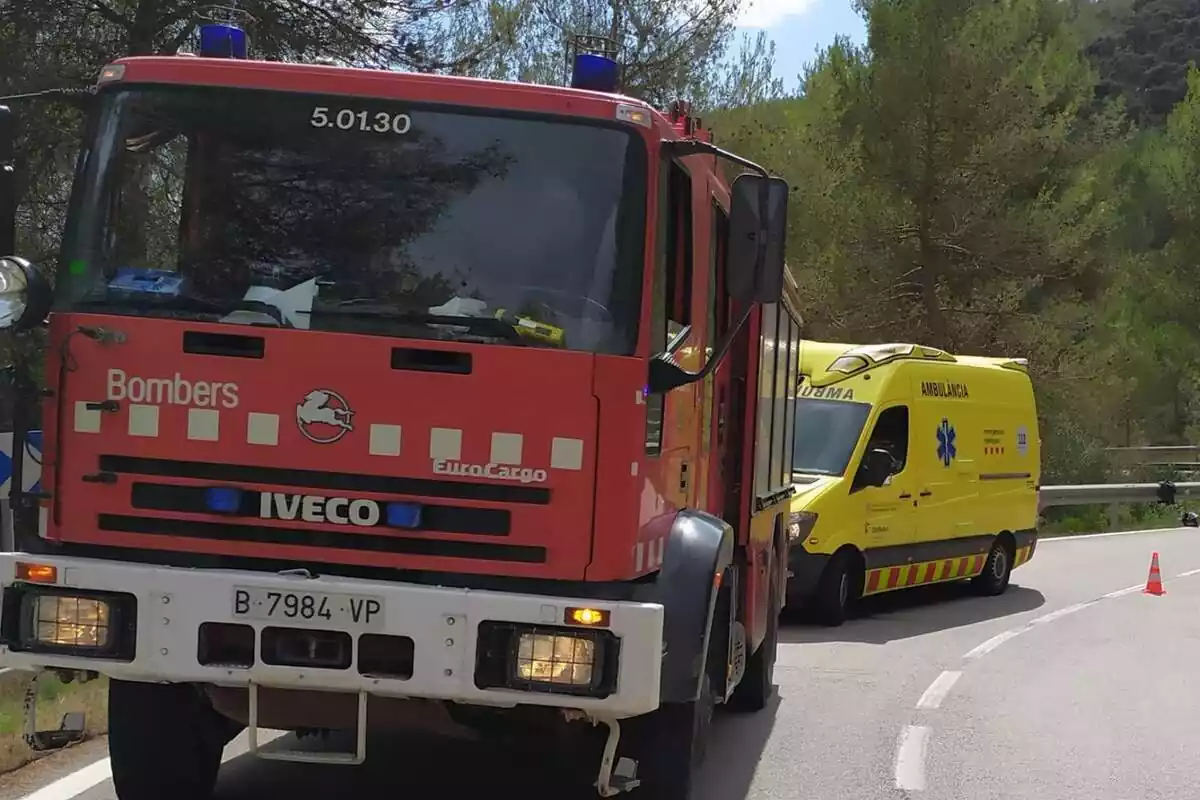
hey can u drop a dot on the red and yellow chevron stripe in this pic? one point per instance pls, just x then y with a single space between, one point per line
1023 554
885 579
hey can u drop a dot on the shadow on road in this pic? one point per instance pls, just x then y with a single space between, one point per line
914 612
737 745
435 766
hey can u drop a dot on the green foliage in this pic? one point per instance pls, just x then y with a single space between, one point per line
958 182
1142 50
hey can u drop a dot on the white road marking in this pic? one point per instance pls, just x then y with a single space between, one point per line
910 750
76 783
910 758
991 644
96 773
1060 613
938 690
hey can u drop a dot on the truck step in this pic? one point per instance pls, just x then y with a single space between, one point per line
309 756
70 730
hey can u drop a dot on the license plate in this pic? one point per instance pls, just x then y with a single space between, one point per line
336 611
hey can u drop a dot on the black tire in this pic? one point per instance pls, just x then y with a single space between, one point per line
997 570
164 740
758 684
670 744
831 603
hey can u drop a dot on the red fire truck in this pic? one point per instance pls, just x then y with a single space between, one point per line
366 390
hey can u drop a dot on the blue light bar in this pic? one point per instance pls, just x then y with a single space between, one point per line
595 72
223 499
404 515
223 40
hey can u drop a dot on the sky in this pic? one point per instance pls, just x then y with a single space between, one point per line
799 28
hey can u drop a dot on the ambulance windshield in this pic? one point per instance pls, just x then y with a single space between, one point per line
826 433
359 215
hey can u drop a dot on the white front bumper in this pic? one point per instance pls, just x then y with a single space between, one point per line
443 623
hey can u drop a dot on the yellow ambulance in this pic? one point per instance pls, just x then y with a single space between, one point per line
911 466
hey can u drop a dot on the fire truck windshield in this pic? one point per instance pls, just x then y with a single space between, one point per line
224 204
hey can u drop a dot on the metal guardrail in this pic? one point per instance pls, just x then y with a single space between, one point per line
1108 493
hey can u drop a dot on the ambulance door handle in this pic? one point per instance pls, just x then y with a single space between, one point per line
926 493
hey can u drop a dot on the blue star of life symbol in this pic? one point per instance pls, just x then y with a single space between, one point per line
946 450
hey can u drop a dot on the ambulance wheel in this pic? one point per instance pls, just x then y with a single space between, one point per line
164 741
758 683
836 590
997 570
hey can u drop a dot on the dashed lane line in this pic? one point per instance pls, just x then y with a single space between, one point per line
910 758
911 747
938 690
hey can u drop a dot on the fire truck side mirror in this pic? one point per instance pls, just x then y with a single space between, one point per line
25 295
757 235
8 182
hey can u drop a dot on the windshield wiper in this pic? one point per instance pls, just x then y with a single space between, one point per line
485 326
185 303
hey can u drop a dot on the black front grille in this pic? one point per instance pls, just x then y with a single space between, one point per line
359 539
436 518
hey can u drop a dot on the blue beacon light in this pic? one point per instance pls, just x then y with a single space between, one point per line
595 72
223 32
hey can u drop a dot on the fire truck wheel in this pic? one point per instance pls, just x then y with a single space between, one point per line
835 591
669 744
997 570
758 684
164 740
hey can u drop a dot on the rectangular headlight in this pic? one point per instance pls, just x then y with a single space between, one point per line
66 621
555 658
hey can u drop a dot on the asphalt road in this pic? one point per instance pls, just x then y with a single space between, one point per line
1073 685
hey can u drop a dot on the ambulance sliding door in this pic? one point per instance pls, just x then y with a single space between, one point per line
947 467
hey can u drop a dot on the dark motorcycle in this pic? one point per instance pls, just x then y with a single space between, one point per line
1190 519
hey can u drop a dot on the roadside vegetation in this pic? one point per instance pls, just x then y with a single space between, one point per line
54 699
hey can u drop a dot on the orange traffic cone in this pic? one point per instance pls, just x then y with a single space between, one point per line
1154 582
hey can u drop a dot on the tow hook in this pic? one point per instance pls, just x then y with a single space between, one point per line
612 779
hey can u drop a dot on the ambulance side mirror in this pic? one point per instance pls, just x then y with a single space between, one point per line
757 235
